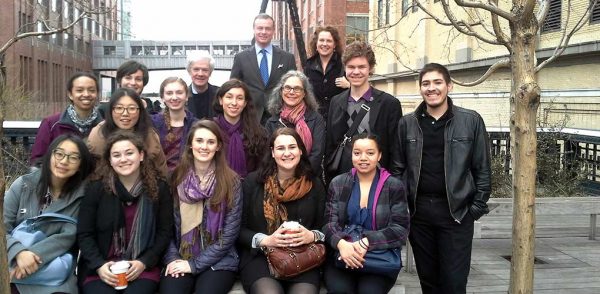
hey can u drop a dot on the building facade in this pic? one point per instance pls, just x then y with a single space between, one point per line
349 17
41 66
405 40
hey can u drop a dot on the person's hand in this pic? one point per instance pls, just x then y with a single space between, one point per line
342 82
178 268
17 273
277 239
298 236
28 262
135 269
106 275
351 257
360 248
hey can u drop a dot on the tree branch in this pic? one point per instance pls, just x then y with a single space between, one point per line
544 7
566 37
20 36
504 62
500 35
461 26
494 9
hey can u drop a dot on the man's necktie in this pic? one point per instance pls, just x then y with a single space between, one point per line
264 67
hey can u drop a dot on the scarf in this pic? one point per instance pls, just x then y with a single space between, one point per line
194 195
296 116
236 156
143 227
275 195
83 125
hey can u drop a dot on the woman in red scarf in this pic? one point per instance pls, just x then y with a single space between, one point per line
283 189
292 104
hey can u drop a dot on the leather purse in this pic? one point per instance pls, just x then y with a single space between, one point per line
334 161
58 270
288 262
383 262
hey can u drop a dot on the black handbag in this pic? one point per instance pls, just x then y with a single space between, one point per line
333 163
383 262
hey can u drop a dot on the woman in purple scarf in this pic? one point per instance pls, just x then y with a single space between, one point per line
202 258
245 138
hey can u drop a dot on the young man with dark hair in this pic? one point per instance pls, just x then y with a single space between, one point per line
381 119
443 155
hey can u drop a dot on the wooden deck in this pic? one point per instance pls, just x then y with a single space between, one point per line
569 262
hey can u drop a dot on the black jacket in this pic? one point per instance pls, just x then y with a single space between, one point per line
191 105
466 161
383 121
323 80
96 223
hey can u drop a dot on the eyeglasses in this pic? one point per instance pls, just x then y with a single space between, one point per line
289 89
121 109
71 158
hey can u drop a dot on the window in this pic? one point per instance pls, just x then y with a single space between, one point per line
163 50
404 7
552 22
137 50
177 50
356 28
219 50
110 50
595 17
380 13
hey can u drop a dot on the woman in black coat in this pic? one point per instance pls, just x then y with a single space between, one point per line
283 189
126 215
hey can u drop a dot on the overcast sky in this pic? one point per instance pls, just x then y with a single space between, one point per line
193 19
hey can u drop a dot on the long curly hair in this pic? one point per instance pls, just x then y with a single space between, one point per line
255 136
227 179
148 171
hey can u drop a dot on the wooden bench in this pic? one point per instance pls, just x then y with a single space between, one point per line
554 206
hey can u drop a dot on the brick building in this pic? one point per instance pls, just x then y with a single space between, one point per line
405 40
350 17
42 65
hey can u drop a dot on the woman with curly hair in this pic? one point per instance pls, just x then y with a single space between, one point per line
127 113
208 208
173 124
293 105
244 137
127 214
283 189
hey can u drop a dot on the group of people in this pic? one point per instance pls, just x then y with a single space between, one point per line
190 195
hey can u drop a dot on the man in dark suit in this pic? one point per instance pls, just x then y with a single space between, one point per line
201 93
261 66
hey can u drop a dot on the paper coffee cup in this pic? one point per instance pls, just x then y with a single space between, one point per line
291 225
120 270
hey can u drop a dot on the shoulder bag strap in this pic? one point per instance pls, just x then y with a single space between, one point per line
359 117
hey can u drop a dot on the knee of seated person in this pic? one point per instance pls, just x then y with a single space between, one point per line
266 286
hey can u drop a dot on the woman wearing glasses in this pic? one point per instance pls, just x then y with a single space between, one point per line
126 215
173 124
293 104
57 187
79 118
125 105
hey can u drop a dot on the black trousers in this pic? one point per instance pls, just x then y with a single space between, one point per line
140 286
441 246
341 281
208 281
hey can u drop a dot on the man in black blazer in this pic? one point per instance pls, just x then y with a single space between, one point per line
246 64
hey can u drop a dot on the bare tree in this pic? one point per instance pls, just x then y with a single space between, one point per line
49 26
513 25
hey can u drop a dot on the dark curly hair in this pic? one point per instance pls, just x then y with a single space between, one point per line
148 171
269 166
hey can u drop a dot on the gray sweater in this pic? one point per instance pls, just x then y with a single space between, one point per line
20 203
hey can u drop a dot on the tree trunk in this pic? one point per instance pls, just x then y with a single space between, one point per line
525 99
4 280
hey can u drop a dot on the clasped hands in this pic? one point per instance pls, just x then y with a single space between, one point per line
27 264
352 253
135 270
287 237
